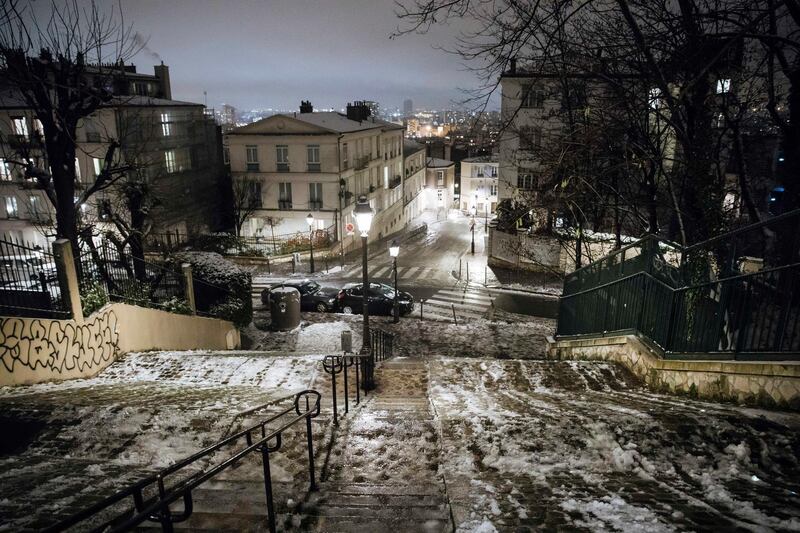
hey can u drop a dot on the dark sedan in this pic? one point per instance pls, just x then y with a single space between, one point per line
313 297
380 298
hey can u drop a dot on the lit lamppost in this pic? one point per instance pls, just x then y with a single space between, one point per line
310 220
394 251
486 217
472 228
363 215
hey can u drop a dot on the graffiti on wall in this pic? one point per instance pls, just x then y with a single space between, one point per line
58 345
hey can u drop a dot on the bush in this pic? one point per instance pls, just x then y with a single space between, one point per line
93 297
177 305
218 243
221 288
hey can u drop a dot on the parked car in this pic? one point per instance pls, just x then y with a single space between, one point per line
313 297
381 299
16 268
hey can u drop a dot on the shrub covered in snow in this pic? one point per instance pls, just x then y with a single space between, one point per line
220 287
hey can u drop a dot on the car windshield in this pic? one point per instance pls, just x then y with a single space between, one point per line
385 290
308 288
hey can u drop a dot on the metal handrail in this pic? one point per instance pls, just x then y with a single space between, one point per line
158 508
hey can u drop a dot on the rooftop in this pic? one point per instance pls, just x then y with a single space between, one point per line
338 122
481 159
411 147
435 162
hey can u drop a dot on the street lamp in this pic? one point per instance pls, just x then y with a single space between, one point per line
363 215
486 217
310 220
473 210
394 251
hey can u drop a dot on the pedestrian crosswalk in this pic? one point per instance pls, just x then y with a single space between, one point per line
403 273
469 303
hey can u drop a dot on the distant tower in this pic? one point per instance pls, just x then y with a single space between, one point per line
408 107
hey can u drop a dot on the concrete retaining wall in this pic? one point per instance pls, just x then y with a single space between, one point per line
766 384
35 350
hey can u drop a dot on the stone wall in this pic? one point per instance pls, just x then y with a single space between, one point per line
35 350
766 384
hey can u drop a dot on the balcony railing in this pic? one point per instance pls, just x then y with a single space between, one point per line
315 205
284 205
361 162
395 182
314 167
283 167
253 167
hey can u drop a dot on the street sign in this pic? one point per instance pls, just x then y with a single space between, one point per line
349 228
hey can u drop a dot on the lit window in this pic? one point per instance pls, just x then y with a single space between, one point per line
20 127
5 170
385 177
169 161
723 86
77 170
98 166
285 195
11 207
34 203
654 98
166 125
315 196
344 155
38 127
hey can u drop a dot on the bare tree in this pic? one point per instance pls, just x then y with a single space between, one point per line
63 69
246 201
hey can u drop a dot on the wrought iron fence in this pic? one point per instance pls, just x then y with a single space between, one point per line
130 279
29 283
735 295
152 496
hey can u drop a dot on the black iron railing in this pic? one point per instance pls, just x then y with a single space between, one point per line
381 348
29 284
733 296
156 508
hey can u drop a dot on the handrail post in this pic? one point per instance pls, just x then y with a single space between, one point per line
268 488
313 482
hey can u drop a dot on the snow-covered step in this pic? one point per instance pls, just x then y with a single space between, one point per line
463 300
469 310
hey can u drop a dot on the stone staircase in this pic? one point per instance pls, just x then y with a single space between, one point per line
382 472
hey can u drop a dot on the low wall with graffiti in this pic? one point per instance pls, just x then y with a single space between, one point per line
36 350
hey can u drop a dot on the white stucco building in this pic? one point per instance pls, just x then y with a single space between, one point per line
320 163
479 183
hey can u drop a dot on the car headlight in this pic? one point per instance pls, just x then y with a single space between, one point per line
404 302
331 300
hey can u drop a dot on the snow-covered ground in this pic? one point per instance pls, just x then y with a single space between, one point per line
574 445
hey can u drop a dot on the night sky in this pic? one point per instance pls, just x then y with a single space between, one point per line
273 53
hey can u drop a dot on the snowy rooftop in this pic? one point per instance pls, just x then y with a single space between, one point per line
411 147
481 159
435 162
338 122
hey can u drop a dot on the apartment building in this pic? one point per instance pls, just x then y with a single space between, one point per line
479 184
320 163
414 181
440 184
173 145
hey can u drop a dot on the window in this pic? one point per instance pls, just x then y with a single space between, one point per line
226 155
385 177
440 178
166 125
20 126
315 196
38 128
254 193
34 203
654 98
524 180
5 170
282 157
92 133
493 189
312 151
169 161
252 157
285 195
491 171
97 165
344 155
723 86
532 97
11 207
530 139
77 170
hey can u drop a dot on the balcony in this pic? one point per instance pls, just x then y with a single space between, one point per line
284 205
313 167
253 167
283 167
361 162
93 137
395 182
315 205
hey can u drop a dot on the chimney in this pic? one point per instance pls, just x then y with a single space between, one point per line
358 111
306 107
162 74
